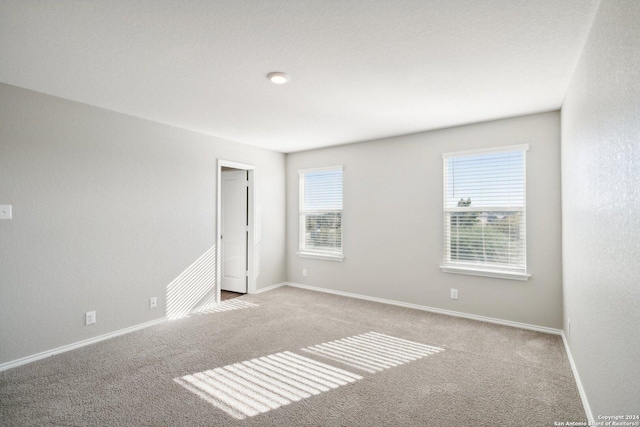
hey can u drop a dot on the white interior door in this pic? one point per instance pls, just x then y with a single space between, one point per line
234 231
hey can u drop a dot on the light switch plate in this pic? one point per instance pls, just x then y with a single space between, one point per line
5 211
90 318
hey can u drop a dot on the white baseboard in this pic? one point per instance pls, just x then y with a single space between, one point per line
583 394
574 369
432 309
270 288
68 347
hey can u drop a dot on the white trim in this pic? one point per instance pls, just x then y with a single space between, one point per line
303 252
432 309
327 257
235 165
523 225
251 211
251 283
498 274
503 149
270 288
485 269
73 346
324 168
574 369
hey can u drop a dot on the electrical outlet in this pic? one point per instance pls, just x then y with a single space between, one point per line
90 318
5 212
153 302
454 293
304 272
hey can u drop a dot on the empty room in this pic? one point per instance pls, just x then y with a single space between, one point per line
322 213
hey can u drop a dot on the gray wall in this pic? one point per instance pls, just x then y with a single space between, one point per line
601 211
393 222
108 210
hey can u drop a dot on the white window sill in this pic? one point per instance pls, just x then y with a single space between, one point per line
328 257
485 273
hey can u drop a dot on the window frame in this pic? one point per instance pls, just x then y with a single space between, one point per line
303 252
479 269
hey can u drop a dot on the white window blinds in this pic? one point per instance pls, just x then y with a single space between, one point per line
320 211
485 209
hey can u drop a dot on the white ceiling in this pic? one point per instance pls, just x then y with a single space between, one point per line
359 69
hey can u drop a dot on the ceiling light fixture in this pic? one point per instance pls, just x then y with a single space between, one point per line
278 77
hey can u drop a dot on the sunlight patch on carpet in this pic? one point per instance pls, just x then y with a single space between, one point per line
228 305
260 385
372 352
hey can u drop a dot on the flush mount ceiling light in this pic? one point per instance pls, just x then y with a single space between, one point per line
278 77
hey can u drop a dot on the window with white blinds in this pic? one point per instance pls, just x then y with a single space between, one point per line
485 212
320 221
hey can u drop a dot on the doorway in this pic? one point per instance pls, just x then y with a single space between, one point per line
235 207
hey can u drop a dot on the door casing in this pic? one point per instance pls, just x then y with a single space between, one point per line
234 244
251 283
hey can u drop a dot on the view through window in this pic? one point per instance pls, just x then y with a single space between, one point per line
485 209
321 212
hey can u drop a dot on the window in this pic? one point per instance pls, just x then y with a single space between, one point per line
485 212
320 231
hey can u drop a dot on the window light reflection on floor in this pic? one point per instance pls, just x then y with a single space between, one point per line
372 352
259 385
233 304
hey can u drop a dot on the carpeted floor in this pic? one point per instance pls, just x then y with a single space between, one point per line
300 358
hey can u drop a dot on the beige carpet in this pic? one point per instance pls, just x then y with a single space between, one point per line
294 357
